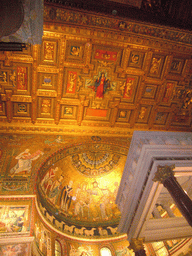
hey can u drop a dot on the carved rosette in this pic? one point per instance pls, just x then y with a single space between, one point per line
163 173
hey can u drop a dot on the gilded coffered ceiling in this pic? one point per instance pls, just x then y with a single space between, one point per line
93 73
68 109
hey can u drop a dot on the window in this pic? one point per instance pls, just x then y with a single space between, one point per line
160 249
57 248
105 252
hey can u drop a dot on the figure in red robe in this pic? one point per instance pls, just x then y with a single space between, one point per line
101 84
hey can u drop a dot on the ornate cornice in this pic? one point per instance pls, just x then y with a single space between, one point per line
49 129
85 19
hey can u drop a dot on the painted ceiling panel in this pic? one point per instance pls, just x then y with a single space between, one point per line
108 76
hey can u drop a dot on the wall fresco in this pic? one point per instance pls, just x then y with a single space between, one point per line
20 249
42 238
15 217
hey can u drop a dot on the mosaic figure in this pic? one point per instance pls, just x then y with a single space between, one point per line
56 186
47 181
82 200
24 163
14 250
97 198
66 196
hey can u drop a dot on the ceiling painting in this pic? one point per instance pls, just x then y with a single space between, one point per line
91 73
68 109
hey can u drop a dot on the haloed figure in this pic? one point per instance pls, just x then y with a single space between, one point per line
101 85
66 196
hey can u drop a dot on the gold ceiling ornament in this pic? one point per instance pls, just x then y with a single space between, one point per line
136 244
163 172
187 98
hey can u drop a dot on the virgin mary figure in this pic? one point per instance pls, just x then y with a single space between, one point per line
101 85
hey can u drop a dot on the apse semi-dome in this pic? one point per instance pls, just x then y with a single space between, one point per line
77 188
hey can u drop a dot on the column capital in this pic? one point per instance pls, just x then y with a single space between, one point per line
136 244
164 172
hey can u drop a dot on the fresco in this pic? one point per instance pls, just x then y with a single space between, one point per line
121 249
15 217
42 238
22 249
81 250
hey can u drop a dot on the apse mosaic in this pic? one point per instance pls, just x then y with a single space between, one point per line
77 180
77 248
77 188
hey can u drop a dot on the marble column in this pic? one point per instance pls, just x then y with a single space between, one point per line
165 175
168 210
137 246
156 213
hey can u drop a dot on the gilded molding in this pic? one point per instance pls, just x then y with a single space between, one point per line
144 29
47 93
21 98
47 69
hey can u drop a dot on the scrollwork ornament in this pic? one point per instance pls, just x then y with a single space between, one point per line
163 173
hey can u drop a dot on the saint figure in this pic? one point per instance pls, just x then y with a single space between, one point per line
101 85
24 163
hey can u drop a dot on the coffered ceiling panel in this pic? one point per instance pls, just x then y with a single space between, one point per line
93 71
